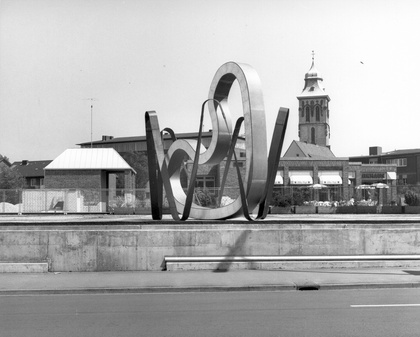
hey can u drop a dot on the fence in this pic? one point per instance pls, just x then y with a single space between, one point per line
52 201
137 201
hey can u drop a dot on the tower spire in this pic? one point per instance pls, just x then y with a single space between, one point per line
313 109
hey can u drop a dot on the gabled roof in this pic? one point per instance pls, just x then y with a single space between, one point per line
30 169
90 159
301 149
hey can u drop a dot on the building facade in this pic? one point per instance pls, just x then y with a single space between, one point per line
406 161
32 171
310 162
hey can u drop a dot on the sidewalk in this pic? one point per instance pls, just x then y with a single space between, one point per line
199 281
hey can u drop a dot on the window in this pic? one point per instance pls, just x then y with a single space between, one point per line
397 161
205 182
33 182
318 117
307 114
313 135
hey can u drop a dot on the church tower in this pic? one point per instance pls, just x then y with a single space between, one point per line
314 114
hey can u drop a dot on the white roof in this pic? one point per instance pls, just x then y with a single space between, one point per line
89 159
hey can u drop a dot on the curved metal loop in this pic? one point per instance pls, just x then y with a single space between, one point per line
190 193
158 170
273 160
170 132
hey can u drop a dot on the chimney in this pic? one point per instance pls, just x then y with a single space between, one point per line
375 151
105 138
24 162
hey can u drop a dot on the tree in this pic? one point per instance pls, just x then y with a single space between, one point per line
138 161
10 179
10 182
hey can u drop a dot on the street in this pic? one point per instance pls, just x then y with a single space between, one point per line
386 312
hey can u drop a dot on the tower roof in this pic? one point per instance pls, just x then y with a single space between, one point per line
313 73
313 83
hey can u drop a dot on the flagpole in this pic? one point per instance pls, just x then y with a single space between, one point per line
91 125
91 119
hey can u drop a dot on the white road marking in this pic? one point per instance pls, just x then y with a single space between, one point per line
383 305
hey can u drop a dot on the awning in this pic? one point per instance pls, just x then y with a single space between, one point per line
391 175
330 179
278 180
301 180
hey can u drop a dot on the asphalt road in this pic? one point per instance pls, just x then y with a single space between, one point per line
386 312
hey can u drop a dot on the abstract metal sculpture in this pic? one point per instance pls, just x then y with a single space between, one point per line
257 185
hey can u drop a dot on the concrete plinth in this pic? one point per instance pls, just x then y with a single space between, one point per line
129 246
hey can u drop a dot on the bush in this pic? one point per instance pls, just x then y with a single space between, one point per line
205 198
296 198
281 200
411 198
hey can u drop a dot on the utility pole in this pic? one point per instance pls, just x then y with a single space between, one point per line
91 118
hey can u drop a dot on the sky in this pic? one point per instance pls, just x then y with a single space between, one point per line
137 55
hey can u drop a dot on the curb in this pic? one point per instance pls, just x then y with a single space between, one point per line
369 286
145 290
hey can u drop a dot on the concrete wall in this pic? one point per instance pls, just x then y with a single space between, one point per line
93 247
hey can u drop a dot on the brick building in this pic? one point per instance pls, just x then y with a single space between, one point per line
93 171
406 161
87 168
32 171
